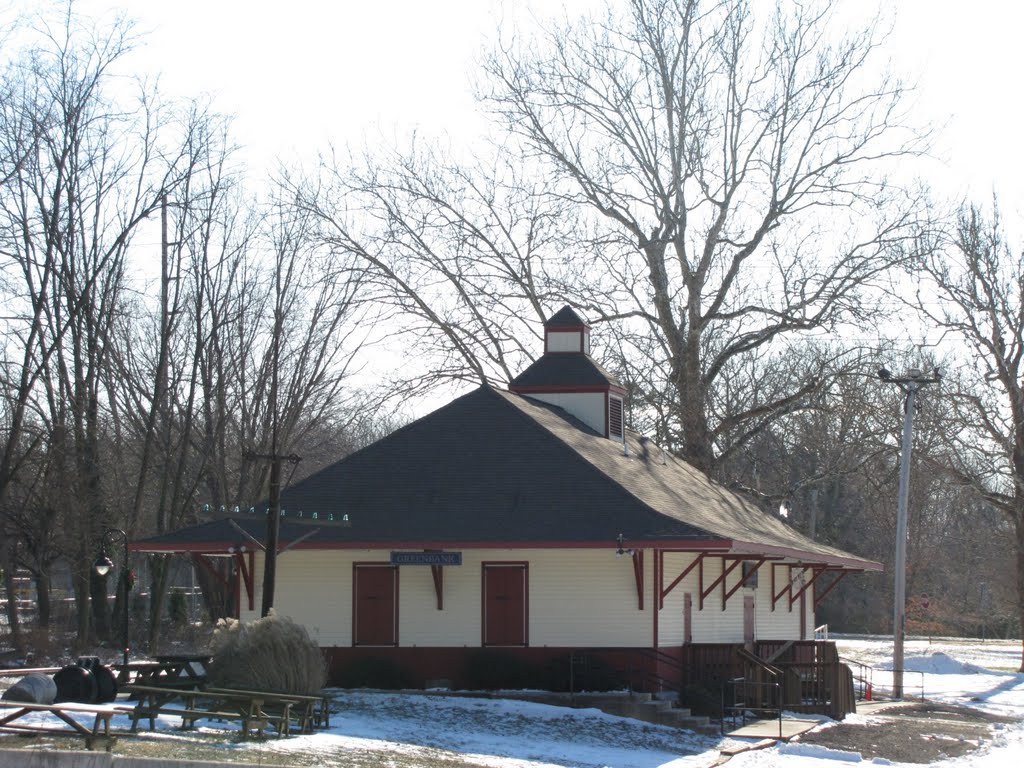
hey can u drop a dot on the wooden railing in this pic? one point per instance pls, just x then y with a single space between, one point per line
775 676
811 677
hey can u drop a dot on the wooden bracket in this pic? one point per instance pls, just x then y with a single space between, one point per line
638 576
299 540
816 572
821 596
437 571
787 588
205 565
675 582
247 569
704 593
746 577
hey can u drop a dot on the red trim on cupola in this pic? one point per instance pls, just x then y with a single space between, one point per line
566 328
560 388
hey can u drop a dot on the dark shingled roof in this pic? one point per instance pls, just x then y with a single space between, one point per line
564 370
565 317
493 468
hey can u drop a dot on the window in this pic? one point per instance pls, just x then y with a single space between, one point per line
750 574
614 417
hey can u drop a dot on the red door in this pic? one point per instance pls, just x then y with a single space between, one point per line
375 608
505 605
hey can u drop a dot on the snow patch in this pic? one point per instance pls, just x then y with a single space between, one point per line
820 753
940 663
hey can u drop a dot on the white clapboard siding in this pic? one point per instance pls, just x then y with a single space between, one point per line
314 588
781 624
588 407
458 624
587 598
577 598
711 625
671 624
584 598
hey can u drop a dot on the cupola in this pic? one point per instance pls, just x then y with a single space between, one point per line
566 376
566 332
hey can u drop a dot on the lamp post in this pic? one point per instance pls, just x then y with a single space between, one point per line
103 566
910 383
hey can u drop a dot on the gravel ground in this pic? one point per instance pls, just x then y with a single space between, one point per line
917 733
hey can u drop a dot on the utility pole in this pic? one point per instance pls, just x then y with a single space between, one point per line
910 383
275 457
274 513
270 551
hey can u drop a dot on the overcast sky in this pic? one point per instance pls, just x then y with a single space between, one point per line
300 73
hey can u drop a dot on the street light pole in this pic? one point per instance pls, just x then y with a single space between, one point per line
910 383
103 566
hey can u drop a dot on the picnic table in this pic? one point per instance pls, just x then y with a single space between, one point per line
171 669
14 714
255 710
308 711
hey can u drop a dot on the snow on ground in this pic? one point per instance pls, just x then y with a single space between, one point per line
515 734
979 673
505 733
502 733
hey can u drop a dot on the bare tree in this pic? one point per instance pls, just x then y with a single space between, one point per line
154 383
69 209
465 260
122 410
275 281
730 167
975 292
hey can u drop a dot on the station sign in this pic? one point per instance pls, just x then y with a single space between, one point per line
426 558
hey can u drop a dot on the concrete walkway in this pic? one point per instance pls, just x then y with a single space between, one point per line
872 707
783 730
769 729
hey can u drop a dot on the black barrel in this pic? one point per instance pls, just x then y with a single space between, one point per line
75 683
86 681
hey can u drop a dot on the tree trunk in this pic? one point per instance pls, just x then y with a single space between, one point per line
82 609
13 618
217 597
159 567
1019 525
42 580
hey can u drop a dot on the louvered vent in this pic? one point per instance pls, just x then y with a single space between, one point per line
614 417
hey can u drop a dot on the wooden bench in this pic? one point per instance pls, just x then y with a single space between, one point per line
13 712
256 711
308 711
